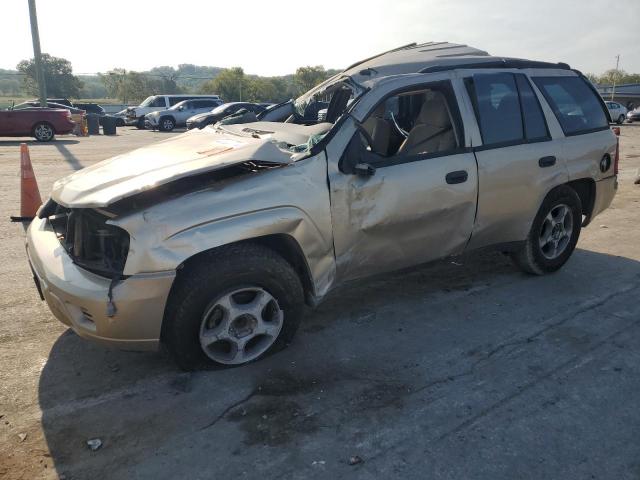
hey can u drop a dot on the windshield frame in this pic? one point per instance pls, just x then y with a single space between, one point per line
300 104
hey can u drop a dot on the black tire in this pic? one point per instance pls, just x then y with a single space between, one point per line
530 257
140 124
166 124
620 120
216 273
119 122
43 132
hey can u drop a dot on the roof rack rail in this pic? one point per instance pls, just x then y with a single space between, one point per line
500 63
408 45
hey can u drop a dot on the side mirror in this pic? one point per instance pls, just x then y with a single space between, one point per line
356 159
181 107
364 170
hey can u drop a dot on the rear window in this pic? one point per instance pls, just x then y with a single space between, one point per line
574 103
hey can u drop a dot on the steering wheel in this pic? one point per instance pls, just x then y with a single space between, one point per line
402 132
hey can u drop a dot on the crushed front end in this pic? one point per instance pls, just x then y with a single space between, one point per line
78 260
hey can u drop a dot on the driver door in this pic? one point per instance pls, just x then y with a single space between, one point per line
420 202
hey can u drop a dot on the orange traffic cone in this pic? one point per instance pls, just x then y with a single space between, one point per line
30 199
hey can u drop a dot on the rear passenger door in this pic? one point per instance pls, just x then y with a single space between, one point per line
518 162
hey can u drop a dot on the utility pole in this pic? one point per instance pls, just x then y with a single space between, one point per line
35 36
124 86
615 77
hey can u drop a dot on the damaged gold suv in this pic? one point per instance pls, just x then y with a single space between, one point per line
211 242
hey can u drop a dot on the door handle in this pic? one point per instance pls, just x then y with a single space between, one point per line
547 161
459 176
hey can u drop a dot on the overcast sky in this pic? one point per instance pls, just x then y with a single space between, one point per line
274 37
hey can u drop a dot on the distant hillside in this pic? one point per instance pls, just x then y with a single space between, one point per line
187 78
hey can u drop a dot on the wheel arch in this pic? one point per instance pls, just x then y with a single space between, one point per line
283 244
586 190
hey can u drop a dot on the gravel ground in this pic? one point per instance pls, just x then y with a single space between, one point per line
465 369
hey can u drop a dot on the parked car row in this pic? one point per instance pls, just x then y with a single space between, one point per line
177 116
136 115
198 113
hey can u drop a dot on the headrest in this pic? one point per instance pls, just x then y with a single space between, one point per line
434 112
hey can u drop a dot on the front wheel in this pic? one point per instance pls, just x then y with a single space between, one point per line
140 124
554 233
620 120
166 124
43 132
236 305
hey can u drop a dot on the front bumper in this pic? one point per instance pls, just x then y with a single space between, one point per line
131 119
78 298
150 122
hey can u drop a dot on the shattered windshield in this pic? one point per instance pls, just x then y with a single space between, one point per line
147 101
313 106
314 115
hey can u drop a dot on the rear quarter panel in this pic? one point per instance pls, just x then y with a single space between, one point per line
583 153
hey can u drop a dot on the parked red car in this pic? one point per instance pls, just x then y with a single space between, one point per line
41 123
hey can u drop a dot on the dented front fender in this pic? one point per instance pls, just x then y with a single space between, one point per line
291 200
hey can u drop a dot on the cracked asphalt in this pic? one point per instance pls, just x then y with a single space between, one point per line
458 369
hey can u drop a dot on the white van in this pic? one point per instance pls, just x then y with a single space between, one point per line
154 103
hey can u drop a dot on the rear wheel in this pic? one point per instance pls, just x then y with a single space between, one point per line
554 233
236 305
166 124
43 132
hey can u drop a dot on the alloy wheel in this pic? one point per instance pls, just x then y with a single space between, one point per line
556 231
240 326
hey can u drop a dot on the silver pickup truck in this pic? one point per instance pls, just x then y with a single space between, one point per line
212 241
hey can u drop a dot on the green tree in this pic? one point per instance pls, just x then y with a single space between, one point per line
620 77
131 86
231 84
58 76
308 77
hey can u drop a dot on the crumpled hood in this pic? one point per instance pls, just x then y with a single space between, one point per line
192 153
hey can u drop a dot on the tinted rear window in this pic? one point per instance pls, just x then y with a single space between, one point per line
574 103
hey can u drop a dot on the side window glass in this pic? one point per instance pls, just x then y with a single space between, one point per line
535 125
174 100
418 122
574 103
158 102
495 98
